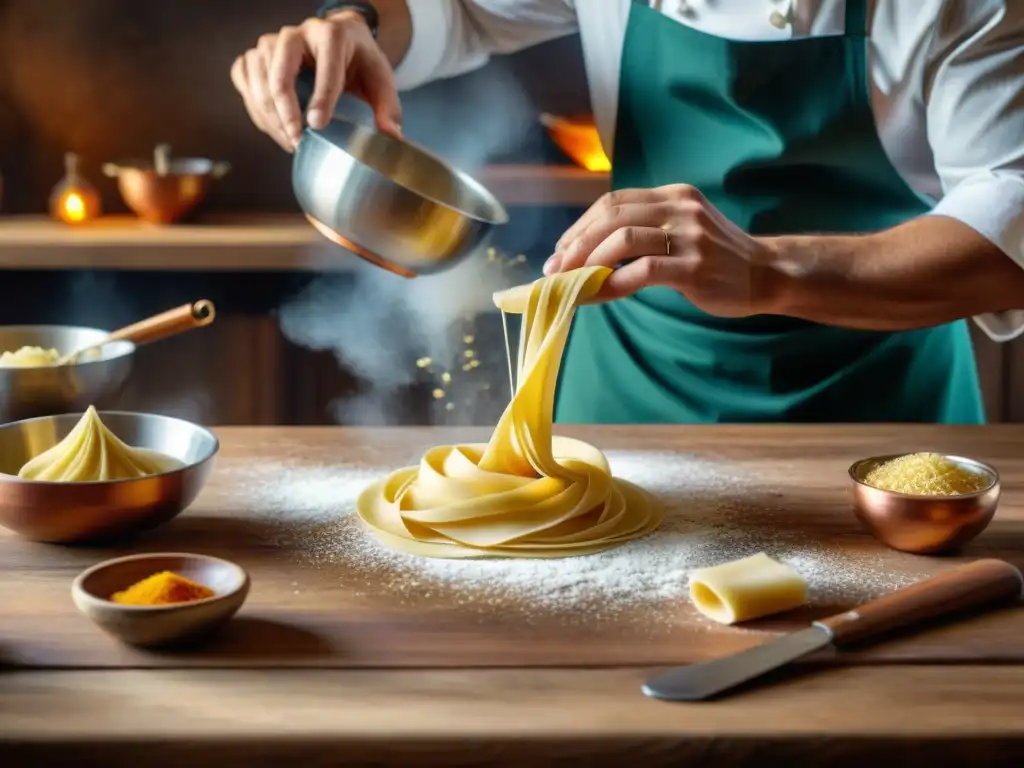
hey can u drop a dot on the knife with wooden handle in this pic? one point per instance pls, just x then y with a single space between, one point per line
978 584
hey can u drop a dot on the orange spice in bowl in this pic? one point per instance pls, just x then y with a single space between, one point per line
164 588
159 603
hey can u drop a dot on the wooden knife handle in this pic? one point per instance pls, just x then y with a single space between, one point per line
968 586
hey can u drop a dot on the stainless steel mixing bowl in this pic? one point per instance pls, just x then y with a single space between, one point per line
89 512
30 392
389 201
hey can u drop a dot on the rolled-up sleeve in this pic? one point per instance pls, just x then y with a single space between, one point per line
450 37
975 115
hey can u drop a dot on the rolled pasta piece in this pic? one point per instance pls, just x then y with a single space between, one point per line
746 589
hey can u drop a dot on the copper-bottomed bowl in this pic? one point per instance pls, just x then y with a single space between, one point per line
69 513
165 198
923 524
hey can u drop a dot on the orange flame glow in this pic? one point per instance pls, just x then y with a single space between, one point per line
73 207
579 139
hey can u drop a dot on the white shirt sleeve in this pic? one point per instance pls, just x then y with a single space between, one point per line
975 117
450 37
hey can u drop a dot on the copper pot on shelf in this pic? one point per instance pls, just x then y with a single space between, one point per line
166 190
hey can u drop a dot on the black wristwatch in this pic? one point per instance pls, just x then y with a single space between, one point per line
367 9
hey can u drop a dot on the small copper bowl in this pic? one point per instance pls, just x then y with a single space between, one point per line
923 524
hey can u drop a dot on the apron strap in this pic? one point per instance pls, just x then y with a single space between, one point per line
856 21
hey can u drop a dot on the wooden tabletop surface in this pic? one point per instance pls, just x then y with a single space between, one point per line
922 713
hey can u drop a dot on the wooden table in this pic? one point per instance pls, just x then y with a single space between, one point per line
919 713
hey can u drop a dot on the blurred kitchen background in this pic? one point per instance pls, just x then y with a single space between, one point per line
304 335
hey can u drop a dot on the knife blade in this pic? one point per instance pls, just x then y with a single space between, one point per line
977 584
702 681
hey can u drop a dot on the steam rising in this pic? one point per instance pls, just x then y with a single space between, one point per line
378 325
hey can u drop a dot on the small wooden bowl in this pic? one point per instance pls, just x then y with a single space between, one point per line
923 524
160 625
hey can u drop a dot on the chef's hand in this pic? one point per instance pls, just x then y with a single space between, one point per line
347 58
677 239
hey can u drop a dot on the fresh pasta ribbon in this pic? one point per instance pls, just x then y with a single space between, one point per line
525 493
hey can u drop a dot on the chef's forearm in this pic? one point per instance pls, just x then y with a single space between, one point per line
929 271
395 32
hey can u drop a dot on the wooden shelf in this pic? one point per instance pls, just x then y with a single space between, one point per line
264 243
245 242
260 242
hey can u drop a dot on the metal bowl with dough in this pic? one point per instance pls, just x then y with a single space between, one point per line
30 392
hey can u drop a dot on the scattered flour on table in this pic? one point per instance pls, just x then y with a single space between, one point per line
715 511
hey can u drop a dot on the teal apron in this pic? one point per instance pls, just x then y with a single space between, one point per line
780 137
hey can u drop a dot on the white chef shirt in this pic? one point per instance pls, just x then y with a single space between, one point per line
947 83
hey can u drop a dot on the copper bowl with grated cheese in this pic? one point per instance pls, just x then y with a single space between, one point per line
924 523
